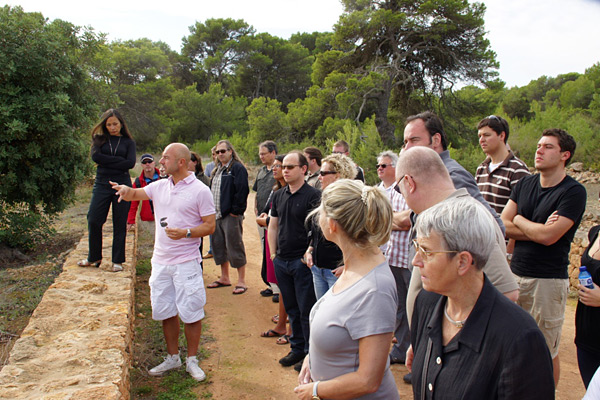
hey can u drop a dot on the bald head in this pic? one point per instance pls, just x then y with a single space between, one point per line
426 180
175 159
422 163
179 151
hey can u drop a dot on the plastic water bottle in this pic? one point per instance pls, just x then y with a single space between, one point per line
585 279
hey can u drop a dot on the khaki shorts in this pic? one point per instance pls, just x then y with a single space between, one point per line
228 243
545 300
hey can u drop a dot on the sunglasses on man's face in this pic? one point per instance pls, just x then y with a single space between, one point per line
221 151
289 167
147 162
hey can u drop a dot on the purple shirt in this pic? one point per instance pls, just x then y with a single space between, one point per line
183 205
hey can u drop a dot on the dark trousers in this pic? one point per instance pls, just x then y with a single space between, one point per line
103 196
263 268
588 364
402 333
296 284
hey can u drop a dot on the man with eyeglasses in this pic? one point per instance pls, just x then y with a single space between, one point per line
424 181
426 129
342 147
498 174
229 186
396 253
288 240
263 185
149 174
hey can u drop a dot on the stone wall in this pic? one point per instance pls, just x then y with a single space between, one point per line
78 343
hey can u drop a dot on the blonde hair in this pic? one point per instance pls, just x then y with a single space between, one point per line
363 212
343 165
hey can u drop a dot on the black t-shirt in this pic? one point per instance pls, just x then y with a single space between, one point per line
291 210
536 203
587 319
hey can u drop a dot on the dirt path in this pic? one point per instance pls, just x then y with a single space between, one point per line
242 365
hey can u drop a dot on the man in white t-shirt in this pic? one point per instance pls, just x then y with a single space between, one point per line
184 212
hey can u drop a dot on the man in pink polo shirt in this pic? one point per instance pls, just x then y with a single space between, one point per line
184 212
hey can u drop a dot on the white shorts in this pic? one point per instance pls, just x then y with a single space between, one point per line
177 290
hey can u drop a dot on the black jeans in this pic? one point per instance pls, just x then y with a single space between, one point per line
588 364
298 293
103 196
402 333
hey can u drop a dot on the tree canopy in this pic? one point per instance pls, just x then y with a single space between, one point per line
44 107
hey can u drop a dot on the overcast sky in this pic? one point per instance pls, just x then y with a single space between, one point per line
531 37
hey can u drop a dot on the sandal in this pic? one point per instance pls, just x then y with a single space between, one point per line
270 333
86 263
116 268
283 339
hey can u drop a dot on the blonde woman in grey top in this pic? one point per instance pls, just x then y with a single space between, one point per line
353 323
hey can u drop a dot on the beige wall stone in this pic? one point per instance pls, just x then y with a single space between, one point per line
78 342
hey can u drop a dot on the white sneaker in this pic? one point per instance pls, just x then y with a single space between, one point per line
117 268
172 361
192 367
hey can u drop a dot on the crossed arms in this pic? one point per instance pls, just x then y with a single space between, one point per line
520 228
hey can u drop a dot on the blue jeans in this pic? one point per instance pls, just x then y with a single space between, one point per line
298 293
323 279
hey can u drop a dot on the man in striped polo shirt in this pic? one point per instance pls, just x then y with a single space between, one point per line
498 174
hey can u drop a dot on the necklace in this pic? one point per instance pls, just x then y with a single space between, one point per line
458 324
116 148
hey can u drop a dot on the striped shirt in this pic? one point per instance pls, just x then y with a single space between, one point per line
396 250
496 185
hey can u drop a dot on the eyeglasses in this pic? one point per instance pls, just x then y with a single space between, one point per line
324 173
276 166
147 162
494 117
338 152
397 185
221 151
290 166
384 166
426 254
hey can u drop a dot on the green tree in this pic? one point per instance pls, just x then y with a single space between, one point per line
197 116
215 48
315 42
44 108
274 68
577 93
423 45
266 121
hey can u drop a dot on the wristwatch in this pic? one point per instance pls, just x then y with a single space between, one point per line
315 396
188 234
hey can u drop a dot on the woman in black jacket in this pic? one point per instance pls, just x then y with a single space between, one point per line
113 150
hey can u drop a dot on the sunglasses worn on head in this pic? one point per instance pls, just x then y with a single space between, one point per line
221 151
147 162
290 166
324 173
